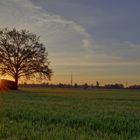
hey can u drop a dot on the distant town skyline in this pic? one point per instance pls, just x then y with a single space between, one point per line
95 40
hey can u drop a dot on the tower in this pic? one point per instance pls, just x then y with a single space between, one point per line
71 79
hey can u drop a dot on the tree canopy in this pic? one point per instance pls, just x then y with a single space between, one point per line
23 55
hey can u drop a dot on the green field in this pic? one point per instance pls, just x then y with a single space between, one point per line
70 114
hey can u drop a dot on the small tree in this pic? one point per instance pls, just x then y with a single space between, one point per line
97 84
22 55
85 86
75 85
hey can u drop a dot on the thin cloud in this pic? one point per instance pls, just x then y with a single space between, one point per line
60 35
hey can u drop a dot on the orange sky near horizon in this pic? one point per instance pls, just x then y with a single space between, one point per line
90 79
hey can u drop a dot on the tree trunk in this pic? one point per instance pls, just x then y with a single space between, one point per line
16 82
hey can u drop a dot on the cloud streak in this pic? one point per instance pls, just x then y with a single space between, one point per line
60 35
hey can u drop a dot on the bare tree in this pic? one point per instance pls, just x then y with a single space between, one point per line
22 55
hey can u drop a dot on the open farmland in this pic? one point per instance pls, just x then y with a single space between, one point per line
70 114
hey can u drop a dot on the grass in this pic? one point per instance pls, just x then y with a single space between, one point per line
70 114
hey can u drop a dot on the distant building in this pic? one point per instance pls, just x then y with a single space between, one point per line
7 84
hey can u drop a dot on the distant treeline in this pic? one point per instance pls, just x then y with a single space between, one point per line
81 86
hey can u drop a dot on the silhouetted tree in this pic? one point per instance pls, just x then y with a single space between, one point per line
134 87
22 54
114 86
97 84
75 85
85 86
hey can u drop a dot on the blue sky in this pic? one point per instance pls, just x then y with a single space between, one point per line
95 39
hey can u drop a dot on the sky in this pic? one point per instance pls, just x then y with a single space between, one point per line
96 40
